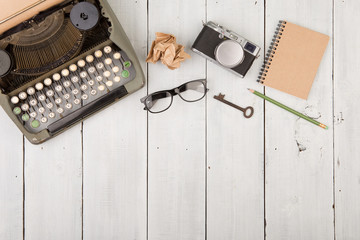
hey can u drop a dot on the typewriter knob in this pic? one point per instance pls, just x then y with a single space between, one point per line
5 63
84 16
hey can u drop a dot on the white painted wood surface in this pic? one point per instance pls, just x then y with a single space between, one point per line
235 200
200 170
346 111
176 137
299 156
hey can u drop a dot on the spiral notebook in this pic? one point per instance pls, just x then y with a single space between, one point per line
293 58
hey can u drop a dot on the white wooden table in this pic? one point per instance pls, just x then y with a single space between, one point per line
201 170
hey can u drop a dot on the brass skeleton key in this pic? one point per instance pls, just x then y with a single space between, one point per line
248 111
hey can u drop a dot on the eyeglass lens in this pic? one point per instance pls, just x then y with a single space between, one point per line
192 91
158 102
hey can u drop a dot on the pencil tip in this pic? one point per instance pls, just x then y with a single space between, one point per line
251 90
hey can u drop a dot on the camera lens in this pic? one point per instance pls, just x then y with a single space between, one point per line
229 53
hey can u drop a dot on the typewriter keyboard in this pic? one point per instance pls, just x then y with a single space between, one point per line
80 88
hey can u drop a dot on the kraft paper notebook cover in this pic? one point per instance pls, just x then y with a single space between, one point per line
293 59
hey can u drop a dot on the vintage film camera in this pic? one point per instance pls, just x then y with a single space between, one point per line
226 48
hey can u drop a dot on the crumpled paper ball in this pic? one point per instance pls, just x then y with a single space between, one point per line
165 48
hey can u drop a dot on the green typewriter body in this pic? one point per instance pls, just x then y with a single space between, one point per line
63 65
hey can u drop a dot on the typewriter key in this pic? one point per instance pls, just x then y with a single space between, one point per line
77 101
84 97
73 67
125 74
66 96
58 100
44 119
47 82
33 114
22 95
35 124
74 79
127 64
98 54
31 91
58 88
100 65
84 87
33 102
50 93
75 91
101 87
108 61
15 100
116 69
117 55
51 115
67 84
25 107
56 77
16 110
65 72
83 74
41 110
89 58
117 79
39 86
107 49
49 105
91 69
107 74
109 83
5 63
81 63
91 82
42 97
68 105
84 16
60 110
25 117
93 92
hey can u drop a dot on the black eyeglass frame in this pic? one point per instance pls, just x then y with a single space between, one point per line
173 92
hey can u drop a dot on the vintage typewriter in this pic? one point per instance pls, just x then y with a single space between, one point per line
61 61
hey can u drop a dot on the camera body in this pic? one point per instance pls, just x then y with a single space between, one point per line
226 48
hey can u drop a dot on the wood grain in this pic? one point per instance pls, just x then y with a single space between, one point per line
346 109
115 151
176 150
235 144
299 155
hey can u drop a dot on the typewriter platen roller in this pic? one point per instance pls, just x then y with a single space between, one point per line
63 64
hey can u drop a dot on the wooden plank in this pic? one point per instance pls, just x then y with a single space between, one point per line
115 151
53 180
299 155
346 111
235 144
11 180
176 151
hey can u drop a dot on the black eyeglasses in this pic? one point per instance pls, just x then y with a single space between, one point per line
192 91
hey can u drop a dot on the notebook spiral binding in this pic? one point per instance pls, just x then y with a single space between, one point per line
272 51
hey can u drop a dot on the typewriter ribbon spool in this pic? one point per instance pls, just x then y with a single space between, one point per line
271 52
